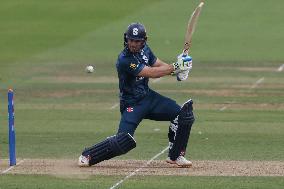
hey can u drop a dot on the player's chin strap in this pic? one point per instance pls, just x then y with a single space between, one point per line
112 146
180 130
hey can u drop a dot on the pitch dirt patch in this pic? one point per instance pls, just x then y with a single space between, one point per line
69 168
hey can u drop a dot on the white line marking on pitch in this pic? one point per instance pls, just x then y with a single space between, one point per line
114 106
223 108
10 168
280 68
252 87
257 83
137 170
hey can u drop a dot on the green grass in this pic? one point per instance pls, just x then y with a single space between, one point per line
45 182
45 46
32 27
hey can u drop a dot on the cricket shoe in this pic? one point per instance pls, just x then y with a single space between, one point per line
83 161
181 161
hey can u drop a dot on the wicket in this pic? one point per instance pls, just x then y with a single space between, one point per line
12 137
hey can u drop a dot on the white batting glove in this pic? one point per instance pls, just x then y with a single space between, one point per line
183 75
184 62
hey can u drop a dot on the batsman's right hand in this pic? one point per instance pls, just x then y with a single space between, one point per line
184 62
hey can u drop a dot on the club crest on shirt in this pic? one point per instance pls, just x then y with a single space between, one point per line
129 109
133 66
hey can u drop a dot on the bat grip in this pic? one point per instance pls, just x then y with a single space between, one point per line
185 52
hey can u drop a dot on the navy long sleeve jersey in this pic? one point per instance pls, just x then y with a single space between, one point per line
132 87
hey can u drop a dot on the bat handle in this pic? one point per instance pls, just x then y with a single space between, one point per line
186 48
185 52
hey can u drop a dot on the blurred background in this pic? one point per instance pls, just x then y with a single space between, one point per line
237 82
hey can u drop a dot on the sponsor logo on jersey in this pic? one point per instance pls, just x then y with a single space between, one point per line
133 66
145 58
139 78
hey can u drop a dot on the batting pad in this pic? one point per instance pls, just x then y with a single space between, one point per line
182 133
112 146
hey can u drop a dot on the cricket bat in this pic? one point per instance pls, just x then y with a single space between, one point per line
191 27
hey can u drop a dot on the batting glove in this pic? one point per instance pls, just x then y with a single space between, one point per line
183 75
184 62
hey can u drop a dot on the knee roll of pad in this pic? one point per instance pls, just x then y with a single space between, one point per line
112 146
186 113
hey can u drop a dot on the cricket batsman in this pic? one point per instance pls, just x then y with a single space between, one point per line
135 65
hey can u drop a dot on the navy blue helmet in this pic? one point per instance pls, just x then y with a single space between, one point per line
135 31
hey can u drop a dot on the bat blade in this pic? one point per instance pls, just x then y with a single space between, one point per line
191 27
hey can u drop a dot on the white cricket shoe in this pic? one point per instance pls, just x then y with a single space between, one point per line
180 161
83 161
